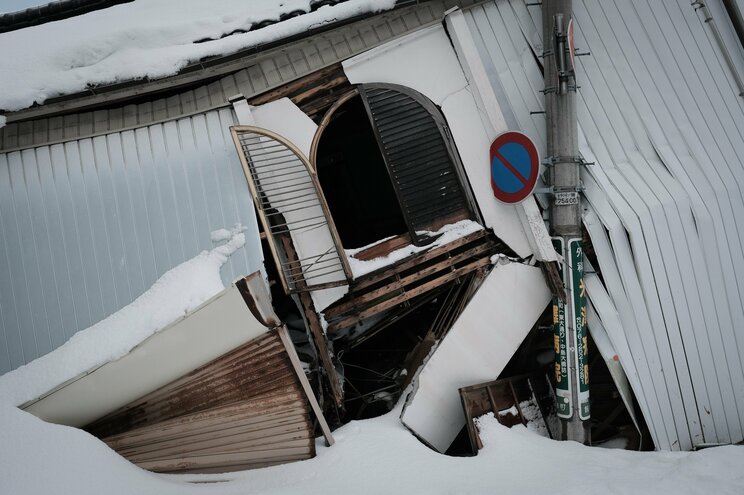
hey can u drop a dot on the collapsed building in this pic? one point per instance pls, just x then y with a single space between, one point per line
354 157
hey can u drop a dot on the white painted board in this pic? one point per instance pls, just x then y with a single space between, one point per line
214 328
476 350
423 60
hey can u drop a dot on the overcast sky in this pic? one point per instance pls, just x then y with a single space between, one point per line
14 5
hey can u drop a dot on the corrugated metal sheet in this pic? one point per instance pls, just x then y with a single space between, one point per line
254 75
88 225
243 410
186 400
420 164
659 113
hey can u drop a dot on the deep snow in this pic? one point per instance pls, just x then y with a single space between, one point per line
372 456
146 38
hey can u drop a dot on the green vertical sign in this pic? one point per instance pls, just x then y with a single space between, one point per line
560 342
578 306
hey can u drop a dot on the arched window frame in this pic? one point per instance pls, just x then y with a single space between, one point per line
438 118
293 273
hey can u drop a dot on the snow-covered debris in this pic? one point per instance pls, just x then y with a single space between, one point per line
150 38
220 235
178 291
373 456
446 234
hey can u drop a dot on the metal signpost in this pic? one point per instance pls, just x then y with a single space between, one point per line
565 217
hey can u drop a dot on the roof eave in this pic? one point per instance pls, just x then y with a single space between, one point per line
202 70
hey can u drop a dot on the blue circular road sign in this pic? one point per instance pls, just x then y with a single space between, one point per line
514 167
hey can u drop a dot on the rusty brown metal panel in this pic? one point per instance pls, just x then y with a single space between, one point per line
247 371
243 410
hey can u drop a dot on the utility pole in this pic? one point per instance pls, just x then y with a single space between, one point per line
572 380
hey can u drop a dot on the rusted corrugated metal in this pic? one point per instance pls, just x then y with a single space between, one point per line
241 401
243 410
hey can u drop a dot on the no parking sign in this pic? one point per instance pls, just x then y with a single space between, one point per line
515 166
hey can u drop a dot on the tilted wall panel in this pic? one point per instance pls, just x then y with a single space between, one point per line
88 225
659 114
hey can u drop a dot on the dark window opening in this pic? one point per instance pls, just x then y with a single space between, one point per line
355 180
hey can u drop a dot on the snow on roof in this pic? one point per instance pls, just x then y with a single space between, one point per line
148 39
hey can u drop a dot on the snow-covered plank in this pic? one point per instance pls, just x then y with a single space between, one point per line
176 350
475 350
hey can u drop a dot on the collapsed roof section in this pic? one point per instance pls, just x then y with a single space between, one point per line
221 389
657 202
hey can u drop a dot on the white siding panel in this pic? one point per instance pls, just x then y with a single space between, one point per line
659 113
88 225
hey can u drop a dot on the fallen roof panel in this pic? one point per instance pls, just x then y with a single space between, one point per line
214 328
475 350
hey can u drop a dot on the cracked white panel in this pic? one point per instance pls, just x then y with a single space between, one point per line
475 350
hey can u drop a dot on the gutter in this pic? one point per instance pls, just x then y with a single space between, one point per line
53 11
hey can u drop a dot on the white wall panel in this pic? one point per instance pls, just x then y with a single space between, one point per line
659 114
88 225
426 61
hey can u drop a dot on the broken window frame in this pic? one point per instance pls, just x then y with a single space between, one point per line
469 203
293 280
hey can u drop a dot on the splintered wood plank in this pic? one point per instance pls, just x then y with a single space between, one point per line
401 283
389 303
384 248
316 329
413 260
284 335
301 85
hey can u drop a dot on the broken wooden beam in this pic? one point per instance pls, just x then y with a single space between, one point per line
507 399
408 295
